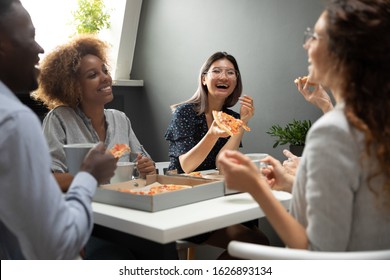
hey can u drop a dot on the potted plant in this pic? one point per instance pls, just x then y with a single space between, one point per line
294 134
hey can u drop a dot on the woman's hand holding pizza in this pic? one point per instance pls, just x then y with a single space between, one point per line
228 123
314 94
217 131
247 109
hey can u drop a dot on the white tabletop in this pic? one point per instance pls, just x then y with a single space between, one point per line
181 222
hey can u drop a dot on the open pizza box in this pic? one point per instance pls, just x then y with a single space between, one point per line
194 190
214 174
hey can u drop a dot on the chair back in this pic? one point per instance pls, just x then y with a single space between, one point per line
252 251
162 167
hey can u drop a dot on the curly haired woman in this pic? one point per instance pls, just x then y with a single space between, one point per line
341 193
75 84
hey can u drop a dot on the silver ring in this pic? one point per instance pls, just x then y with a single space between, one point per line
289 159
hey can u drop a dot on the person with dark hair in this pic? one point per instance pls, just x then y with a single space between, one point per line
75 84
341 193
37 221
194 137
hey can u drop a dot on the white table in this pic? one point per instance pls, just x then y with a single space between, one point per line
181 222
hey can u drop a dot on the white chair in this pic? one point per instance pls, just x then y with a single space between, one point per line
162 166
251 251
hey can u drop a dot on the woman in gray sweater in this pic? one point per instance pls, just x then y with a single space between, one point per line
75 84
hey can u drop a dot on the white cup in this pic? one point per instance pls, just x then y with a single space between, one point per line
256 158
75 154
123 172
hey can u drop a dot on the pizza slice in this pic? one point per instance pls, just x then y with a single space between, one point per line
158 189
228 123
195 174
119 150
304 81
167 188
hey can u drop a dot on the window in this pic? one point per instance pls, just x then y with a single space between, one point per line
51 19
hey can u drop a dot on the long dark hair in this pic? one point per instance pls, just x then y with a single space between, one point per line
200 96
359 40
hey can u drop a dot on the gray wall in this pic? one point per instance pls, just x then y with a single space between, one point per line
175 37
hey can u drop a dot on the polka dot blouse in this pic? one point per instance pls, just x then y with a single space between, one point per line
185 130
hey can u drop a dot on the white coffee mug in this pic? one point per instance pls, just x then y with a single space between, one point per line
123 172
75 154
256 159
255 156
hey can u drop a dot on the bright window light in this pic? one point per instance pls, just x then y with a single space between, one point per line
51 19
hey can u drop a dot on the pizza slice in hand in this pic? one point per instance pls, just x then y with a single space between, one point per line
120 150
228 123
304 81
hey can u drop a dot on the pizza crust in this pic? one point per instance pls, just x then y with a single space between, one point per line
216 116
304 80
232 124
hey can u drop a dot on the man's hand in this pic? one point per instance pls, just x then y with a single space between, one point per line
99 163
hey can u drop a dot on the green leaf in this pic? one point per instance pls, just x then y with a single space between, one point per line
90 17
294 133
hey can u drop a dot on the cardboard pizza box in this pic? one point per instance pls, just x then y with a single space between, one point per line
199 189
215 175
